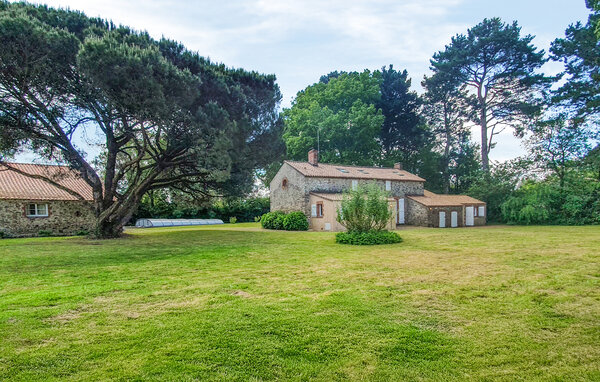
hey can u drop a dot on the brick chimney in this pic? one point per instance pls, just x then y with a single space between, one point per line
398 166
313 157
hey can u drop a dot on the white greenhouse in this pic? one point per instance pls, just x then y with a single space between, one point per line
150 223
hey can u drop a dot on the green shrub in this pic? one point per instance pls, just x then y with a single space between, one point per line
3 235
295 221
278 221
269 220
44 233
365 209
257 219
232 220
82 232
367 238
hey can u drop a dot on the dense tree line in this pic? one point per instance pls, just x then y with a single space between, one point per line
489 78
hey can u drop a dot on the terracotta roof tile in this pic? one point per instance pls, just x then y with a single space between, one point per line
324 170
430 199
14 185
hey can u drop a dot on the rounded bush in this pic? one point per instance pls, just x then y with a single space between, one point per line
295 221
278 221
367 238
269 220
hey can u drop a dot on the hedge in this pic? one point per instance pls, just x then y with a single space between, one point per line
367 238
293 221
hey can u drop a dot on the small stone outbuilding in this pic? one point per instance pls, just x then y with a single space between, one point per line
442 211
34 200
317 190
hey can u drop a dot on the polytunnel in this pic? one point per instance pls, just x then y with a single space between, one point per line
150 223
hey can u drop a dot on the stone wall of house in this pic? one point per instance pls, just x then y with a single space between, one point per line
399 189
64 218
291 197
434 216
416 213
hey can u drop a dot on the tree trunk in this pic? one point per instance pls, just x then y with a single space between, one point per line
485 162
446 171
108 229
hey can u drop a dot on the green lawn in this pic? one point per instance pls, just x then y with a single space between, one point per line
239 303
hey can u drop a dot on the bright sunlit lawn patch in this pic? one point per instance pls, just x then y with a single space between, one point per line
239 303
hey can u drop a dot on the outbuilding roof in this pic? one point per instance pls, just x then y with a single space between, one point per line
431 199
15 184
325 170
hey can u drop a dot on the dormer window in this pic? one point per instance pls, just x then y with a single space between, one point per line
343 170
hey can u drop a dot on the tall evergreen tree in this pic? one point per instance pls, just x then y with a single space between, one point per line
402 133
166 117
499 67
445 108
579 52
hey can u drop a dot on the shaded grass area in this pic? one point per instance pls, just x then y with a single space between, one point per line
239 303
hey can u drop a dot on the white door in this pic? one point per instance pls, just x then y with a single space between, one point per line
469 216
454 219
400 210
442 219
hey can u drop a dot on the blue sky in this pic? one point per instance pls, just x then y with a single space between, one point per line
301 40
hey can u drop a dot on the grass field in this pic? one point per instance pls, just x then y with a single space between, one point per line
238 303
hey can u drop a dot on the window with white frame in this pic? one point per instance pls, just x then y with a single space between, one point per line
481 210
37 210
354 184
388 185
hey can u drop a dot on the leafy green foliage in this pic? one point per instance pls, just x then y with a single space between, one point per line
272 220
44 233
172 206
497 186
341 108
295 221
364 209
232 220
547 202
367 238
279 220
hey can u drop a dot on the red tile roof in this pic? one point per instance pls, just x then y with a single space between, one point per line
430 199
14 185
324 170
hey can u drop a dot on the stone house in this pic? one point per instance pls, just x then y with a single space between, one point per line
317 190
29 203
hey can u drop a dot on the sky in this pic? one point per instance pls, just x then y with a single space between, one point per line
299 40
